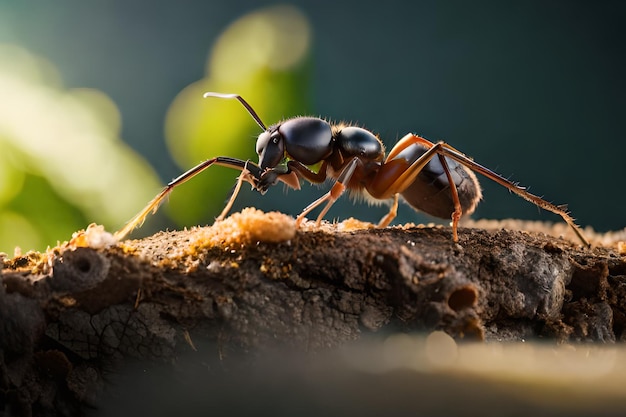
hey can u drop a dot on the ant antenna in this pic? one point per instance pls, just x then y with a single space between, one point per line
248 107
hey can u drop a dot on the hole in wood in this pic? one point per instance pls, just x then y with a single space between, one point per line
462 298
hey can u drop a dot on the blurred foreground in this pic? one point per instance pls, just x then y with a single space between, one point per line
398 376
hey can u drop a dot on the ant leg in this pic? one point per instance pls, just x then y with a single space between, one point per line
395 175
316 177
244 174
452 153
399 182
393 212
330 197
458 211
398 173
254 175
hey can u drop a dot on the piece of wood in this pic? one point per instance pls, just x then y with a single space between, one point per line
227 294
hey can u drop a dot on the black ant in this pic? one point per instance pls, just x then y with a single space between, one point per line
432 177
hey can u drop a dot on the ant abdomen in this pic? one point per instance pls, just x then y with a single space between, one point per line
430 191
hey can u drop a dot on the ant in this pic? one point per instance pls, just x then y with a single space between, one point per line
432 177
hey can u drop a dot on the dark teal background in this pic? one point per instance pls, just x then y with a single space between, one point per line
535 90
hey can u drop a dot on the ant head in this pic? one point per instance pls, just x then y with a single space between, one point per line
270 146
307 140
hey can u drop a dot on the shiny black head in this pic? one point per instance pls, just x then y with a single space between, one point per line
270 147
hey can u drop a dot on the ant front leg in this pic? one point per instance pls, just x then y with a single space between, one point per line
250 173
244 176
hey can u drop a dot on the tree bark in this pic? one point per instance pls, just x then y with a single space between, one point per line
220 298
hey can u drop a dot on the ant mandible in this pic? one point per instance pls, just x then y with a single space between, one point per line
432 177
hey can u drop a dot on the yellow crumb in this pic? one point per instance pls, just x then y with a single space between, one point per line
352 224
248 226
40 263
94 237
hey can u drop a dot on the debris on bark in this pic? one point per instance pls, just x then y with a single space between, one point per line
252 284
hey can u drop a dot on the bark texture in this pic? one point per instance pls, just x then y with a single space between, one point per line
71 318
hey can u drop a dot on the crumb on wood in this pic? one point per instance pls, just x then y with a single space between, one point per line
94 237
252 225
249 226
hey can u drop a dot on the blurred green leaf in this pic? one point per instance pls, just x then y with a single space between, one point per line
264 57
62 162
